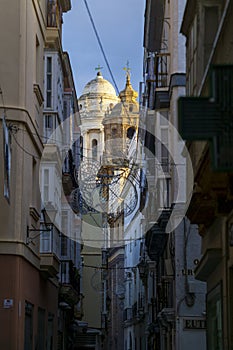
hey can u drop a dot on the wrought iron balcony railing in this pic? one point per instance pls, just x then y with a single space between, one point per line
162 63
69 274
54 14
127 315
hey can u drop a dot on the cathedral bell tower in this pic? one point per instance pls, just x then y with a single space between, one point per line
120 130
120 127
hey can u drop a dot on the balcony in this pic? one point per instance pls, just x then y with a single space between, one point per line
49 252
69 283
162 63
68 170
165 294
156 237
134 310
167 317
54 22
137 312
156 240
127 315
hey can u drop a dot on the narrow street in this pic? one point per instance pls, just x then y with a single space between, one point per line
116 181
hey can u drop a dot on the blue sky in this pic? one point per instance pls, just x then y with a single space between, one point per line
120 26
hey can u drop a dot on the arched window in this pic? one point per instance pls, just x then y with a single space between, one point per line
94 148
114 132
130 132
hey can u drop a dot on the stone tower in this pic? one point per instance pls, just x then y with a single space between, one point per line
120 126
98 98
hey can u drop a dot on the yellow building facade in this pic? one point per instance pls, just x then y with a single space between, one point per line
29 292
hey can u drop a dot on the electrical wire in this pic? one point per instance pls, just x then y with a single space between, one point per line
23 149
100 45
104 55
109 268
90 149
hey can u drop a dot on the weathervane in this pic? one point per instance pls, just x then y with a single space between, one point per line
127 69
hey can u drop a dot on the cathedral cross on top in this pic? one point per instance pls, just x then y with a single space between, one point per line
98 68
127 69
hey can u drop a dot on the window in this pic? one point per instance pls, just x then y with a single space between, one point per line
50 332
64 272
192 59
130 244
214 319
164 153
41 329
211 16
130 132
130 294
46 242
34 181
51 13
118 232
64 222
63 245
164 193
114 132
49 82
94 149
162 62
46 185
28 326
49 127
65 109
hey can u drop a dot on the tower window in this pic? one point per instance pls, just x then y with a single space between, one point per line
130 132
114 132
94 149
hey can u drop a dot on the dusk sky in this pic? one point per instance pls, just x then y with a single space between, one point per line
120 27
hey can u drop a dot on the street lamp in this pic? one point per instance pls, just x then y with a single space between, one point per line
49 215
143 270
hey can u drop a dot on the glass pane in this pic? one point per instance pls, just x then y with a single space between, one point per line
49 99
49 82
41 329
28 326
46 242
49 64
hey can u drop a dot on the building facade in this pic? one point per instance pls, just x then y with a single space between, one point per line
177 299
207 28
33 72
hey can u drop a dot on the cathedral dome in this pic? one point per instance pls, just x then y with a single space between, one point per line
98 97
99 85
